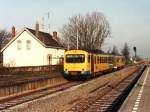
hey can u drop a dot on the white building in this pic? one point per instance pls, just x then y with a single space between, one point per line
32 48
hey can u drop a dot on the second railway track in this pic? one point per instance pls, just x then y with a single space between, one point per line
109 98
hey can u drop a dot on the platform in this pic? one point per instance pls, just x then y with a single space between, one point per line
139 98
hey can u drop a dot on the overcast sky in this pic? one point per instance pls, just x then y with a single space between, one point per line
129 19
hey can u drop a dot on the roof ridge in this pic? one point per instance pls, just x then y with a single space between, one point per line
46 38
39 31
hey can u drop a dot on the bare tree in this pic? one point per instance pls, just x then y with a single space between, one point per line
115 50
90 31
126 52
4 39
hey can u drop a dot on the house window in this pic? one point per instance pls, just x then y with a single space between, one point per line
19 44
28 44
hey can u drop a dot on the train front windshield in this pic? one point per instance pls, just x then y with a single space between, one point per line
75 58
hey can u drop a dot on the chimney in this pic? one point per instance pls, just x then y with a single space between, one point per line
37 29
55 37
13 32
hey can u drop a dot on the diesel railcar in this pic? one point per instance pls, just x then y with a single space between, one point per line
87 64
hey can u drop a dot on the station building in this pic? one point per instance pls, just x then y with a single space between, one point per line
32 48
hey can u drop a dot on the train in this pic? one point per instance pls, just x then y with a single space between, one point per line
85 64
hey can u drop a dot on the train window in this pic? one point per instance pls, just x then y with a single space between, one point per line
121 59
103 59
75 58
100 59
89 58
110 60
106 60
118 60
97 59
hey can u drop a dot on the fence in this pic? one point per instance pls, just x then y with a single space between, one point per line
31 69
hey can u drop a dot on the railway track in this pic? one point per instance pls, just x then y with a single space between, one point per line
16 100
22 86
109 98
90 104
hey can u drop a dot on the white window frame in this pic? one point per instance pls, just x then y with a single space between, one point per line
19 44
28 44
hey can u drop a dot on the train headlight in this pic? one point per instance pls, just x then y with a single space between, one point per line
66 71
83 71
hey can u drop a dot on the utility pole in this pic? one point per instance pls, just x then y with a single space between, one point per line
68 47
77 35
77 39
48 21
43 21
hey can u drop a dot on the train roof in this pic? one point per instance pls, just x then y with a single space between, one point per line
95 52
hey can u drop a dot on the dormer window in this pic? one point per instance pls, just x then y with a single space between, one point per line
19 44
28 44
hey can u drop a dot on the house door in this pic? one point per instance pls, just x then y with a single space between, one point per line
49 59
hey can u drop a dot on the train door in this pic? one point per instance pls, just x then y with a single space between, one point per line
92 63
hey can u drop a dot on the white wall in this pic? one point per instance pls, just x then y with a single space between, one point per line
36 56
56 55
